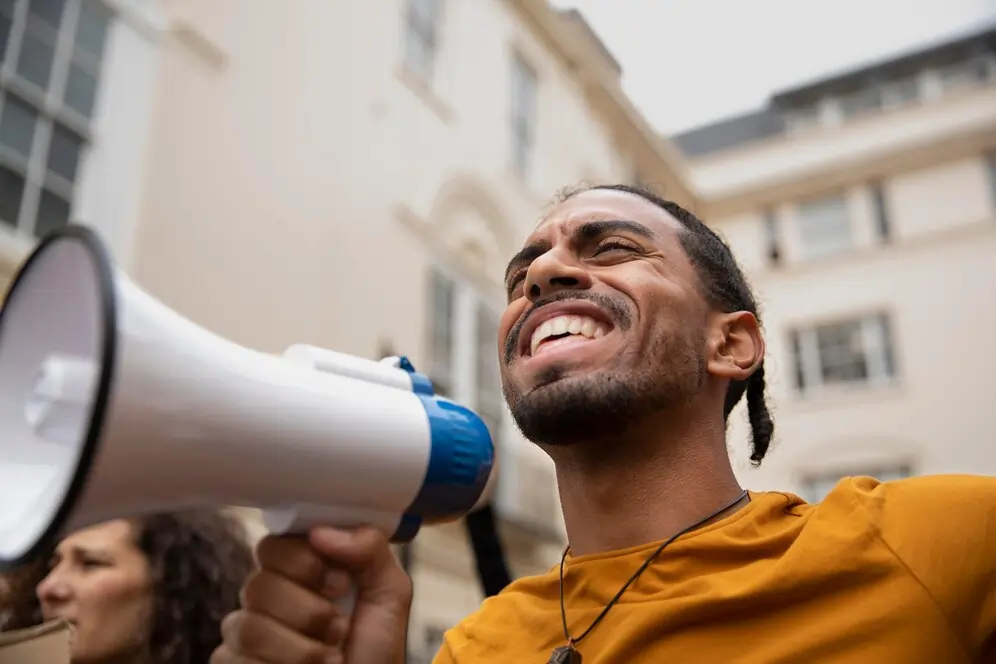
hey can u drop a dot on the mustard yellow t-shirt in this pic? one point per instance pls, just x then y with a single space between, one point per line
899 572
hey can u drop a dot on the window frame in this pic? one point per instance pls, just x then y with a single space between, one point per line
876 330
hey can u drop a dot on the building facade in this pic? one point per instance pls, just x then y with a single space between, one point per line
349 175
863 208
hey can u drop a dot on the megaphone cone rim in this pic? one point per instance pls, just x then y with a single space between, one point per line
108 312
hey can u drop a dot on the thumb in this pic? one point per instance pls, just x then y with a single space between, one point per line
367 555
379 623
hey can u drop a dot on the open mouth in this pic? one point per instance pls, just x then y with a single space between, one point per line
564 329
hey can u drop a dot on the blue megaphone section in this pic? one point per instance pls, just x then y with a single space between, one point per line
460 461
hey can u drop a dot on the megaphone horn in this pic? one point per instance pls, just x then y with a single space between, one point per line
112 405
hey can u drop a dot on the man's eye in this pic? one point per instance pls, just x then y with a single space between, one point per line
613 246
515 280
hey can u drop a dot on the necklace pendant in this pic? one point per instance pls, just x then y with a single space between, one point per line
565 655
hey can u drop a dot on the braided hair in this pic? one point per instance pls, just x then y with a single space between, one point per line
726 289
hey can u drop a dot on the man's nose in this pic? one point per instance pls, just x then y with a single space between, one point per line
556 270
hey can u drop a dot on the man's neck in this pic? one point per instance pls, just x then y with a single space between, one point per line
645 487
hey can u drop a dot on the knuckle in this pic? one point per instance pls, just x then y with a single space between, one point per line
319 617
257 590
292 557
318 653
242 632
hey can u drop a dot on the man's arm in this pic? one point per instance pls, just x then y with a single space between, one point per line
943 529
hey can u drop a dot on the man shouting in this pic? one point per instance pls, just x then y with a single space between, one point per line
630 335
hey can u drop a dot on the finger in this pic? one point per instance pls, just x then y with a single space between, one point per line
366 554
338 630
256 637
338 584
275 596
224 655
293 558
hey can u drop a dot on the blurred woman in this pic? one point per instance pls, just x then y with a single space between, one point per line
147 591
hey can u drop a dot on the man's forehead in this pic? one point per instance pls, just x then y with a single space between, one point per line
601 204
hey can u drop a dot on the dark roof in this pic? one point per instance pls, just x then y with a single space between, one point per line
938 54
729 133
769 121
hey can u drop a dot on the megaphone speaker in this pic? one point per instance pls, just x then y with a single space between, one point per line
113 405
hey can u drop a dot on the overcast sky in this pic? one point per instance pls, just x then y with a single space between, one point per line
689 62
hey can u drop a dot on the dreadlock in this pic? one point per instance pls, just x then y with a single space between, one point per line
726 289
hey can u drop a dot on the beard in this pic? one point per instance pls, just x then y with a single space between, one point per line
563 409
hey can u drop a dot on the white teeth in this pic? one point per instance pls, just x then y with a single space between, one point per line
588 327
577 325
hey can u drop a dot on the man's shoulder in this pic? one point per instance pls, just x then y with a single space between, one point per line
911 511
918 493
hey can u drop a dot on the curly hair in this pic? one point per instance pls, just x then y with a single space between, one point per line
19 606
198 561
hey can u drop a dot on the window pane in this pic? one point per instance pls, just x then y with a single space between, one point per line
64 152
418 55
53 213
49 11
17 126
488 380
35 62
825 226
423 13
11 192
441 325
862 101
81 90
92 31
842 353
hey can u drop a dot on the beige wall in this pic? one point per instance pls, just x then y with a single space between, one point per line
934 278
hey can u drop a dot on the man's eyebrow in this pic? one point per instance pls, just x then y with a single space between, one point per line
596 228
587 231
527 255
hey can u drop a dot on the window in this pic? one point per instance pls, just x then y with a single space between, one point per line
880 210
523 116
966 74
801 119
51 62
856 351
901 92
441 324
772 237
422 19
825 227
861 102
489 401
815 487
463 357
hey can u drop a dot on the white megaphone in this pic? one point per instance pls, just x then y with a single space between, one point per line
113 405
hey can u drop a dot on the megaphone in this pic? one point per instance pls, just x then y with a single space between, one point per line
113 405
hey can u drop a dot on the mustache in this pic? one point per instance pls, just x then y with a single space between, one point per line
619 313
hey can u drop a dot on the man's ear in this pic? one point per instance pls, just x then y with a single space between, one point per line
735 347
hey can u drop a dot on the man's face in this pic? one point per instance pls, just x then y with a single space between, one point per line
605 322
